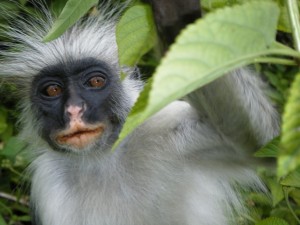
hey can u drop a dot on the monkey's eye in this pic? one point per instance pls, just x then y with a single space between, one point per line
96 82
52 90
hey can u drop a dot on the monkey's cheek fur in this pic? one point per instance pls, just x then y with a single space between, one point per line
80 137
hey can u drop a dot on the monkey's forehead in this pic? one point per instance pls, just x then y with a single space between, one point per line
31 55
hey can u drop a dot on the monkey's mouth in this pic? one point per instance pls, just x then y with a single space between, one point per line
80 137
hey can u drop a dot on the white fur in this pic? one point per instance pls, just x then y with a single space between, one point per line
184 166
158 177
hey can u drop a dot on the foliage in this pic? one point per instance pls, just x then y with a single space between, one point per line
135 39
72 11
233 33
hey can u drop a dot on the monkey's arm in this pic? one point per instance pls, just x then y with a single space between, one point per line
237 107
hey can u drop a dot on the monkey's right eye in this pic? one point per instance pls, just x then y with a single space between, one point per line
52 90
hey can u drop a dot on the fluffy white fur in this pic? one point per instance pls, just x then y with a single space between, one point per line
184 166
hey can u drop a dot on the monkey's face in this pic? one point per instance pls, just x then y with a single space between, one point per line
77 104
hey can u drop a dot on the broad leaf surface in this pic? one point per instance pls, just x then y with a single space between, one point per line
222 41
289 158
135 34
73 10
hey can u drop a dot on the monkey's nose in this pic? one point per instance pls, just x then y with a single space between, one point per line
75 112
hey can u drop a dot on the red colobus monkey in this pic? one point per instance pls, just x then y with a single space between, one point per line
186 165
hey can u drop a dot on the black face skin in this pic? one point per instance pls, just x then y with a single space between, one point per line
72 86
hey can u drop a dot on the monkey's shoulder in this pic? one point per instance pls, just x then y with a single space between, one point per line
179 126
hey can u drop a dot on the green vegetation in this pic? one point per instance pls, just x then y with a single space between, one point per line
233 33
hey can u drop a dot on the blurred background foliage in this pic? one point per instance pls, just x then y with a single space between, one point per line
282 207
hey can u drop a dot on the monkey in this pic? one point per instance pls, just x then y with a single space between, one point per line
186 165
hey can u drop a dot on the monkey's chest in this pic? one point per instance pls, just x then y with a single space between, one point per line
117 199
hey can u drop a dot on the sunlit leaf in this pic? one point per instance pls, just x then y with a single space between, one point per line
135 34
205 50
289 158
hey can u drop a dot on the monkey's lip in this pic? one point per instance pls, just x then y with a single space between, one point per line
80 136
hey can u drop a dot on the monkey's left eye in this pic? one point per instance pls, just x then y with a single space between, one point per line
96 82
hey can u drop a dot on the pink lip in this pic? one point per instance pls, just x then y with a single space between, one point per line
80 137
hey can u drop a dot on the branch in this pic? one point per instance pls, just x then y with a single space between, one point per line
10 197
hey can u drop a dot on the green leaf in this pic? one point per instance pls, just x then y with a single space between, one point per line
5 135
57 6
73 10
2 221
260 199
295 195
293 179
136 34
289 157
284 22
204 51
3 123
271 149
272 221
12 148
276 190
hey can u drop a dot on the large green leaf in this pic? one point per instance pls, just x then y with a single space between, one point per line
289 158
222 41
73 10
135 34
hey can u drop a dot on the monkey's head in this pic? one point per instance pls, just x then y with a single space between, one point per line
72 96
79 104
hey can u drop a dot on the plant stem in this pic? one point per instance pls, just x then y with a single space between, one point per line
286 191
274 60
10 197
293 12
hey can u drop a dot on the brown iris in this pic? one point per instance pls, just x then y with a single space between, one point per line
53 90
96 82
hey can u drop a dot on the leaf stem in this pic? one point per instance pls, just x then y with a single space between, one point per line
10 197
274 60
293 12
